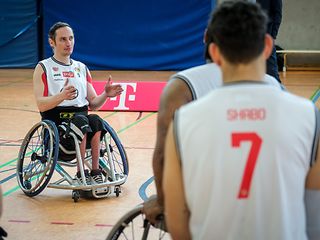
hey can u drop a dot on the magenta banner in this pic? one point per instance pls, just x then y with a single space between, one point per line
136 96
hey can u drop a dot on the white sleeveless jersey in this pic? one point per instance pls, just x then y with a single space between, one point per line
202 79
55 75
245 151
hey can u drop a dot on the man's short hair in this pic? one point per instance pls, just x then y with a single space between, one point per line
52 31
238 28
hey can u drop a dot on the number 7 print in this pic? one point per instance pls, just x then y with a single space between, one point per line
256 141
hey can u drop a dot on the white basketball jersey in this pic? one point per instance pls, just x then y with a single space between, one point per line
245 151
55 75
202 79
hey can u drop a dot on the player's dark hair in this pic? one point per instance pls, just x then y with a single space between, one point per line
238 28
52 31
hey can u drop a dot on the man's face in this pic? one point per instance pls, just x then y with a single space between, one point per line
63 42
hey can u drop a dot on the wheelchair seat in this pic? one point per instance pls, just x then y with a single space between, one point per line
40 156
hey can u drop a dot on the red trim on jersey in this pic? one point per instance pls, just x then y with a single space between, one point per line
45 83
89 78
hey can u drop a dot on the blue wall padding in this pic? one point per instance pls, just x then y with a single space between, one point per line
18 33
133 35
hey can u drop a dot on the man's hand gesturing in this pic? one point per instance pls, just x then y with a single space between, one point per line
68 92
112 90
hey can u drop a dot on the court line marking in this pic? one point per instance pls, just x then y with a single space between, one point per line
62 223
315 95
19 221
59 223
144 186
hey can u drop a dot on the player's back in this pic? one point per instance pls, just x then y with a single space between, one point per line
245 151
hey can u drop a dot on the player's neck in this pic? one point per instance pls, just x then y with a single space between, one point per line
64 59
254 71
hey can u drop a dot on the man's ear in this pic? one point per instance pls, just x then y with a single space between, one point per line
51 43
215 53
268 46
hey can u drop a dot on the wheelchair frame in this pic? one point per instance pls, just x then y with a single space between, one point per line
134 225
36 167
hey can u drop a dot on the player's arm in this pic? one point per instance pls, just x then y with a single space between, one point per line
176 209
312 199
45 103
110 90
175 94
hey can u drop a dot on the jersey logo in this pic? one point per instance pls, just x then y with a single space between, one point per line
77 70
68 74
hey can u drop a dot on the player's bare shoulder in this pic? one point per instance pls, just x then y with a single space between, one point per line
176 93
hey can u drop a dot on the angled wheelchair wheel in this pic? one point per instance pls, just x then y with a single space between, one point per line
113 161
37 158
134 225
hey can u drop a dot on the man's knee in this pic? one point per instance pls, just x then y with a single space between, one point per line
96 123
79 126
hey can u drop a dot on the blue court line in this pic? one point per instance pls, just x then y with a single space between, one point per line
142 189
7 178
316 96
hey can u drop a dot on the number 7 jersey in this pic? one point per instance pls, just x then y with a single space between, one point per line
245 151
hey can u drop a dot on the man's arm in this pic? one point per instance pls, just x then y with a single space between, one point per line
48 102
176 210
174 95
110 90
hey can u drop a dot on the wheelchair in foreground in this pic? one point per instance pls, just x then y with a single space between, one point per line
39 158
134 225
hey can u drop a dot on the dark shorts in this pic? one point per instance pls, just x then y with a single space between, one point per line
79 125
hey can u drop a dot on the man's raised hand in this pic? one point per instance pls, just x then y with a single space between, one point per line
112 90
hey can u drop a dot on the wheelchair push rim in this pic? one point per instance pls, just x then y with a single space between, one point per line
37 158
113 155
134 225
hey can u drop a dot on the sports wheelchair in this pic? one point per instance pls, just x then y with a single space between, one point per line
134 225
39 158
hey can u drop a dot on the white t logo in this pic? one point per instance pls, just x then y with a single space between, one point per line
123 96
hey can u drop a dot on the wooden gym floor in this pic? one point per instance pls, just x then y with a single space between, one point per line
53 214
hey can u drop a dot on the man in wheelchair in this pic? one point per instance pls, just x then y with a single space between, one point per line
64 92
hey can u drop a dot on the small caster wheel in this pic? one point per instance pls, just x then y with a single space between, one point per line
27 184
75 196
117 176
117 191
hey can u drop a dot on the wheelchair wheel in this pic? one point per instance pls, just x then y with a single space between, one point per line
38 157
114 154
134 225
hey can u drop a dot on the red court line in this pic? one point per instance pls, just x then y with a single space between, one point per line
59 223
103 225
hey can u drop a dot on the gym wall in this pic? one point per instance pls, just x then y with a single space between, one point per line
124 35
18 33
300 28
